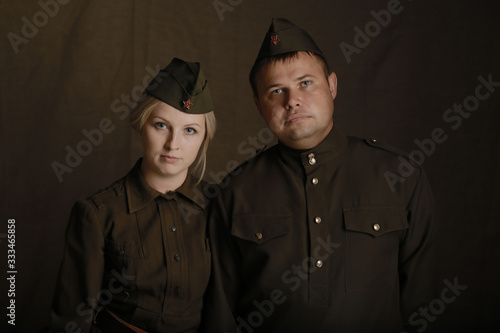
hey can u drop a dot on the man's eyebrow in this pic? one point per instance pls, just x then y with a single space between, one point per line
300 78
274 85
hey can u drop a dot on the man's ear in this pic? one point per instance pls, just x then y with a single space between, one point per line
257 102
332 83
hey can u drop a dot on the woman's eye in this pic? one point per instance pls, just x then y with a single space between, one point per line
190 130
160 125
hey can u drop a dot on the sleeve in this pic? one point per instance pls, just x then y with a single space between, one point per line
418 257
222 293
81 272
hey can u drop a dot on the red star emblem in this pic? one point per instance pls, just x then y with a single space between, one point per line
187 104
274 39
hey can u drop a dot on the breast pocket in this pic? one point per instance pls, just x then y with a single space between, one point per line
372 245
123 254
260 228
264 242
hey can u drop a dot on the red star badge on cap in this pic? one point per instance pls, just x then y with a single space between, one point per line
274 39
187 104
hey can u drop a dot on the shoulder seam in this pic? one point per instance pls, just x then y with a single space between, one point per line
114 190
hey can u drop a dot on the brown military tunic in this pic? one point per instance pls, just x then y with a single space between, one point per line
144 254
318 241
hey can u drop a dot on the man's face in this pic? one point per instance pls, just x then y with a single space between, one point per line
295 98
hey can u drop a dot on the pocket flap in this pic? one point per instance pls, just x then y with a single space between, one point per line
259 228
375 221
123 249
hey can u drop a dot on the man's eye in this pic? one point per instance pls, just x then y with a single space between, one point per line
276 92
160 125
306 83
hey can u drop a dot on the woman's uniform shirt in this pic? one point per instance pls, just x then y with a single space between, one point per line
337 238
140 253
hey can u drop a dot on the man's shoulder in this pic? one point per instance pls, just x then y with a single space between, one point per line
375 146
252 168
262 157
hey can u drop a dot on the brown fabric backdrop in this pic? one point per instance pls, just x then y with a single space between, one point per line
71 67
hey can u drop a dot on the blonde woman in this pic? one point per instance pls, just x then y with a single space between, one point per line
136 257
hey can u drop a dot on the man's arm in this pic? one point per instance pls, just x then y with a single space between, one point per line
417 257
222 292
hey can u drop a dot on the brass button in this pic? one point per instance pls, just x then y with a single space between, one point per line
258 235
315 181
312 160
173 228
376 227
373 140
317 220
319 263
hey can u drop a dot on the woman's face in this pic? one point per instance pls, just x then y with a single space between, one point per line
171 140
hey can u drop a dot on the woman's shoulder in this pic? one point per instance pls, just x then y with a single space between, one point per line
108 195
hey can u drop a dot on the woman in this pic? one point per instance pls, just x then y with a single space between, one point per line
136 256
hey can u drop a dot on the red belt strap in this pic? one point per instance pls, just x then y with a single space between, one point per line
109 322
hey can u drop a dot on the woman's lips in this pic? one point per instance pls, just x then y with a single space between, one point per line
170 158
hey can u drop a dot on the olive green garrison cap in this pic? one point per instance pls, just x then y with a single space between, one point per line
283 37
182 85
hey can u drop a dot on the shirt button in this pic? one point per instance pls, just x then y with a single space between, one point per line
173 228
317 220
376 227
258 235
177 290
177 257
120 252
319 263
312 160
373 140
315 181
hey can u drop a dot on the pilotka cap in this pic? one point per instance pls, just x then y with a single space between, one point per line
284 37
182 85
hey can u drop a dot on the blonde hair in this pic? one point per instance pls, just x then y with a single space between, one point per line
146 106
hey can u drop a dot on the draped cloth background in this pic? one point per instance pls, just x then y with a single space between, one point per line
72 70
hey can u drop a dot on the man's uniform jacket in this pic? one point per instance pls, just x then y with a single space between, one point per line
143 253
337 238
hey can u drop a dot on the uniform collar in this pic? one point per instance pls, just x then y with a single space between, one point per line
329 148
140 194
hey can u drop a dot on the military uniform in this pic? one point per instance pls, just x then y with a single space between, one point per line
317 241
329 239
136 259
142 252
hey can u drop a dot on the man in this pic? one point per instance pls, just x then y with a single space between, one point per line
309 236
